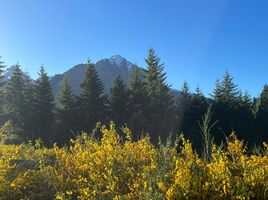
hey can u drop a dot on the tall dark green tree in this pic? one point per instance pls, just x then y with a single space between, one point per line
65 114
217 92
244 120
93 101
44 105
161 101
119 102
2 82
29 113
229 89
183 108
198 107
226 107
2 70
262 116
138 103
15 102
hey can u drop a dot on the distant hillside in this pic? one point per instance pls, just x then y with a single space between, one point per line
107 70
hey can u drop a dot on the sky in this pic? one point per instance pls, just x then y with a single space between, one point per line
196 40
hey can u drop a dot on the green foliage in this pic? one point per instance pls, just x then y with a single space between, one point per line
138 102
65 114
147 106
92 101
206 126
114 167
43 105
119 102
161 101
10 136
2 99
15 101
29 113
216 95
183 108
229 91
262 115
66 97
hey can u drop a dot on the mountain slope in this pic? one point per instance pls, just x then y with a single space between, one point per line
107 70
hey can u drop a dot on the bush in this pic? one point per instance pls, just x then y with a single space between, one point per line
112 168
8 135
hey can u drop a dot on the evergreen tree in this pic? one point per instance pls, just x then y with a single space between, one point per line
263 105
229 89
161 102
119 102
244 120
183 108
44 104
198 108
2 82
66 113
2 70
262 116
15 102
226 107
92 101
66 96
138 103
246 101
217 92
28 106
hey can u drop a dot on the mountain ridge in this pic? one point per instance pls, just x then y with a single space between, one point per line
107 69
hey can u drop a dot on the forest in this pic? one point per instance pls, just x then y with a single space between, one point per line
141 141
146 104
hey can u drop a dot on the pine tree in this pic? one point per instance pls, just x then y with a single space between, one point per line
119 102
2 70
198 108
66 113
65 95
226 107
244 120
161 102
2 82
92 101
229 89
29 106
217 92
263 106
262 116
138 102
183 108
15 102
44 104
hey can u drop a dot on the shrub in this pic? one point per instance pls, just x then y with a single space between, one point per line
109 167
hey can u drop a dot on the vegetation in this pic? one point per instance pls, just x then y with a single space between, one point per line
111 167
115 163
146 104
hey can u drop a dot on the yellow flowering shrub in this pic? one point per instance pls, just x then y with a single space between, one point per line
110 166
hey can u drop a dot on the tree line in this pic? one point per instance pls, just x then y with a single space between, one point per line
146 104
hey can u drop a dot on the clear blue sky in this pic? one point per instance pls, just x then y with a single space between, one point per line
197 40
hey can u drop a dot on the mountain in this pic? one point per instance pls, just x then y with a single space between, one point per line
107 70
